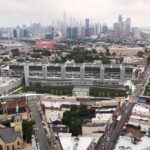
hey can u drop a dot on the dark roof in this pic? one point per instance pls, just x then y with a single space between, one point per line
128 70
59 129
35 68
92 69
112 69
53 68
56 122
72 69
16 67
8 135
65 106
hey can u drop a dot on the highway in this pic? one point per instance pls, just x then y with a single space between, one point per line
110 138
40 134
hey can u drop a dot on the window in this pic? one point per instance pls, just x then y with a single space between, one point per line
18 143
1 148
13 148
7 147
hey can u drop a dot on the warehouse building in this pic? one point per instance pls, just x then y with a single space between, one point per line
85 74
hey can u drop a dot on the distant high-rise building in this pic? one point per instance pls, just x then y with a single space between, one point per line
97 29
74 32
104 29
16 32
24 33
116 29
122 28
64 25
87 28
68 32
128 21
119 18
87 23
36 29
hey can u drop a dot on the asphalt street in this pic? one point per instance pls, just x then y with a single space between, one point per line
40 134
110 139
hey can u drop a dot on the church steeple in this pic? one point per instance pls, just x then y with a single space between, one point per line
17 108
17 120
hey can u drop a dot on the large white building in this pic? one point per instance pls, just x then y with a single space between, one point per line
7 84
86 74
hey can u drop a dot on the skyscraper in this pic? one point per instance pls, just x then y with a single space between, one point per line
87 27
119 18
87 23
68 32
122 28
104 28
64 25
128 21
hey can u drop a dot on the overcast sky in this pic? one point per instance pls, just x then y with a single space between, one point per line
18 12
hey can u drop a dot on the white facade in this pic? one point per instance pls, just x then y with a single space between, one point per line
140 117
54 110
9 45
77 143
7 84
134 60
102 118
86 74
81 91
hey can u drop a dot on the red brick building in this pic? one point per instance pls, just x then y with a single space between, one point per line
45 45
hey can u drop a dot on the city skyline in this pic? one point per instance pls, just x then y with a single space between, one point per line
44 11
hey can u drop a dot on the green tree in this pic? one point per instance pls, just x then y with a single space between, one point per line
27 127
15 52
75 128
99 94
108 94
83 110
46 53
94 51
140 54
36 55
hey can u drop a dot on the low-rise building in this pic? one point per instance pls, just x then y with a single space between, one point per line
102 118
125 51
54 110
11 138
8 110
135 60
81 91
85 74
77 143
7 84
45 45
140 117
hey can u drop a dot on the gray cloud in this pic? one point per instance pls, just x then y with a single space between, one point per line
13 12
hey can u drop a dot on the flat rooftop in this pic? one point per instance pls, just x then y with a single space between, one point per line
125 143
6 81
78 143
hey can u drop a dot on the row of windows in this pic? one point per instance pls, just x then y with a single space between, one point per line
106 83
9 147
